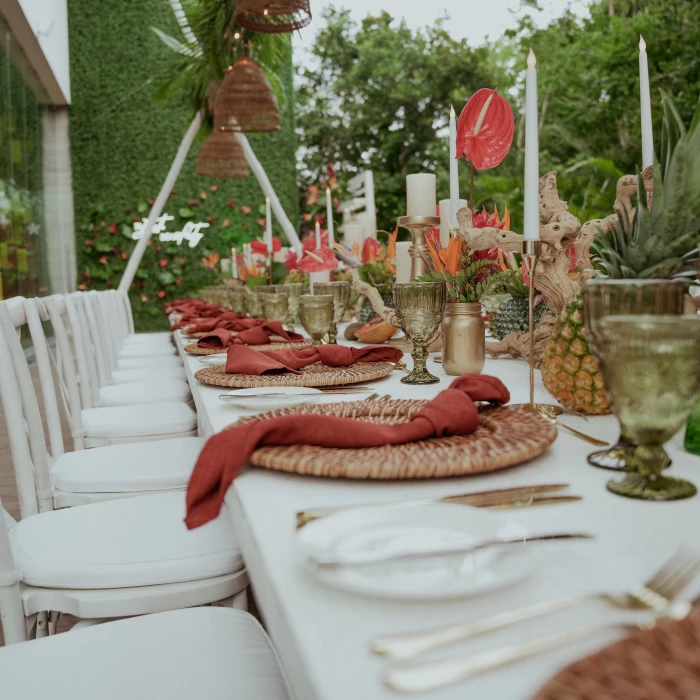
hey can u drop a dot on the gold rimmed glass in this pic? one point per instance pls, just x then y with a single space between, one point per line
275 307
419 308
293 290
651 366
316 313
604 297
253 305
340 291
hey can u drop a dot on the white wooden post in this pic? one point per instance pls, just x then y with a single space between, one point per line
157 208
267 189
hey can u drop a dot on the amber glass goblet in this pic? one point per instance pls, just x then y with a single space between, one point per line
604 297
275 307
340 291
419 308
253 305
651 366
316 313
293 290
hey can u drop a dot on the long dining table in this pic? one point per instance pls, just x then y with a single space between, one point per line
323 634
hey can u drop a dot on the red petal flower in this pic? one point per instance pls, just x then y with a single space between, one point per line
292 261
485 129
310 242
311 264
370 250
260 247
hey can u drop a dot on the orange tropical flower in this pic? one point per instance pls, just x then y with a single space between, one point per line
391 247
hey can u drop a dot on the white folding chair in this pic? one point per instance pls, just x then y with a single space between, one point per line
116 558
105 425
87 476
203 653
97 389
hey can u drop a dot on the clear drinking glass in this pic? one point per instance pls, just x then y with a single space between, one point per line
316 313
603 297
651 366
419 308
340 291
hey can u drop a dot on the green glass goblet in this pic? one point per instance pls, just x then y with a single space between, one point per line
419 308
275 307
236 299
340 291
253 305
316 313
266 289
293 290
651 366
605 297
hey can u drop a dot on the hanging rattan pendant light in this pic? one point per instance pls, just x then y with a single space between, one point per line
245 100
272 16
221 156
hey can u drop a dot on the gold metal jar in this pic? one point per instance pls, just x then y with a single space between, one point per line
463 339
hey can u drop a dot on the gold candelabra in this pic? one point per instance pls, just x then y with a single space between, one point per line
418 226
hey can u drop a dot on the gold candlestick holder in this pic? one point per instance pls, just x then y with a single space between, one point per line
531 254
418 226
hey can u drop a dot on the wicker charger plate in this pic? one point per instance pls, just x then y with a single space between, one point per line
194 349
503 439
314 375
658 664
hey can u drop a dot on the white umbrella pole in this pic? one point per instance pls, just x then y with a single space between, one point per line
158 206
267 189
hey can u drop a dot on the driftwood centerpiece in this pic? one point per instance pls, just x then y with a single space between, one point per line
559 231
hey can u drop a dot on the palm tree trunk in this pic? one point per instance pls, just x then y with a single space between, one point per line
158 206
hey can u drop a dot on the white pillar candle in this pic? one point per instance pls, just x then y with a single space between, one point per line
318 235
268 225
322 276
329 215
403 262
454 172
645 99
446 217
421 194
234 263
225 266
354 233
532 153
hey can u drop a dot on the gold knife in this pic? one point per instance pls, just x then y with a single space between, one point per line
483 499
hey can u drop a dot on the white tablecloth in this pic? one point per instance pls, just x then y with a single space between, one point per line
323 634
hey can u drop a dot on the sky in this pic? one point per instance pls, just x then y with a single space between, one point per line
474 19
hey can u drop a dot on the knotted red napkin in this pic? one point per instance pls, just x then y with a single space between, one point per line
251 332
242 360
452 412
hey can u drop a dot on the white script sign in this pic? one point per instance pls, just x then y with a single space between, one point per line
190 233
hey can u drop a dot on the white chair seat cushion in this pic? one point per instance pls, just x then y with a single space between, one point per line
145 392
146 374
138 420
149 362
139 466
141 351
193 654
128 542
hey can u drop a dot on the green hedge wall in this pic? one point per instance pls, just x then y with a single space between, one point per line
122 145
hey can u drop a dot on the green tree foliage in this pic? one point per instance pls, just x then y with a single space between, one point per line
379 98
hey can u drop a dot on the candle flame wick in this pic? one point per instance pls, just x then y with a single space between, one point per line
531 59
642 43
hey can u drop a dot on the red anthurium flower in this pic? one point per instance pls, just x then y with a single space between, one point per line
310 242
319 260
370 250
260 247
292 260
485 129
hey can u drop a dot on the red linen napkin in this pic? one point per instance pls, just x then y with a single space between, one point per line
251 332
241 360
452 412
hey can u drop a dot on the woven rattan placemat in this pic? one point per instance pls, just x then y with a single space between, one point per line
194 349
658 664
503 439
314 375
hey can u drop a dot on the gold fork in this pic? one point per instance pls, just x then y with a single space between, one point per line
655 595
547 415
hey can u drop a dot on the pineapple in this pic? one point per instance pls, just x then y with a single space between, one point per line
657 244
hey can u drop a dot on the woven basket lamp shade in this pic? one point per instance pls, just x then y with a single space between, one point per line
245 100
221 156
272 16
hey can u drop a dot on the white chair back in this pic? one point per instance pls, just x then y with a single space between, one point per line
11 610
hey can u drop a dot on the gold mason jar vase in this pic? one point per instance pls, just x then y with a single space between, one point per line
463 339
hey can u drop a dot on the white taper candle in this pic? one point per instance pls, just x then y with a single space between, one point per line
645 101
454 171
532 153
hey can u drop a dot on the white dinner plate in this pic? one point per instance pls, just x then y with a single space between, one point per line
271 398
213 360
395 529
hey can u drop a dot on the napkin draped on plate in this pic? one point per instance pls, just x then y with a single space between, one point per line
452 412
249 331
